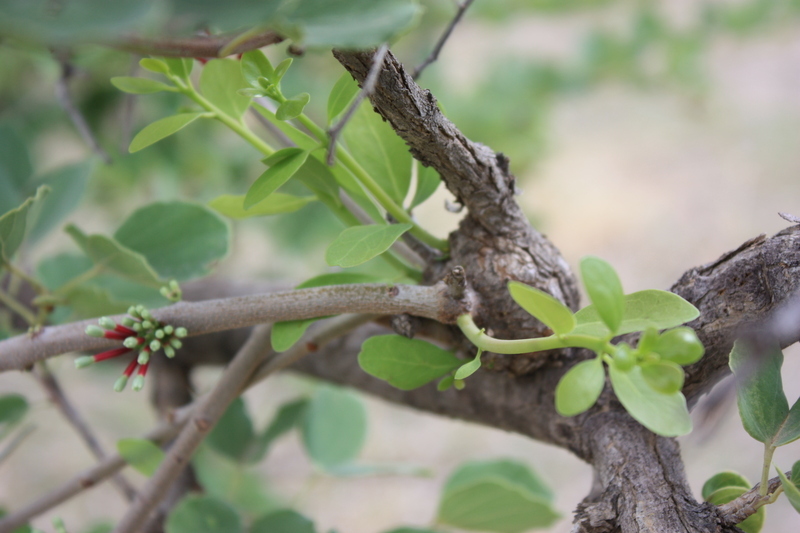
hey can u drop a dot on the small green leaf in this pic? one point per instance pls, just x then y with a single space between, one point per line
220 81
12 408
283 165
203 514
232 482
498 496
790 489
181 240
359 244
405 363
233 434
179 66
544 307
15 223
316 176
580 387
15 167
679 345
293 107
131 85
650 308
379 150
467 369
283 521
334 427
154 65
114 257
275 204
67 185
445 383
160 129
281 69
428 180
663 414
762 403
724 479
141 454
255 64
605 291
288 416
343 92
664 376
796 473
754 523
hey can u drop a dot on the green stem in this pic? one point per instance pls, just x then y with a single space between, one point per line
37 286
18 308
769 450
485 342
80 278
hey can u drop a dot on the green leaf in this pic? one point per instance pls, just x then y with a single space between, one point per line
293 107
663 376
154 65
283 164
15 168
754 523
353 24
233 434
724 479
160 129
255 64
203 514
275 204
411 530
580 387
179 66
605 291
379 150
650 308
762 403
501 496
67 185
141 454
544 307
282 68
405 363
233 482
467 369
315 175
679 345
343 92
288 416
112 256
334 427
181 240
283 521
219 83
428 180
664 414
131 85
12 408
359 244
790 489
14 223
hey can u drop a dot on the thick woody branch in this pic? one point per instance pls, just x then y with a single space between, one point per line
199 46
747 504
433 302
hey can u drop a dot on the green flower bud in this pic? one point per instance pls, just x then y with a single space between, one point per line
128 322
84 361
95 331
133 312
119 385
146 324
169 352
137 327
138 383
176 343
181 332
144 357
155 345
159 333
168 329
131 342
106 323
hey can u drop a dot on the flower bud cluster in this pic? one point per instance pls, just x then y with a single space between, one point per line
139 332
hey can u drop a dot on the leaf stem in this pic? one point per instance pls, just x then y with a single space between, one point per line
18 308
18 272
96 270
518 346
769 450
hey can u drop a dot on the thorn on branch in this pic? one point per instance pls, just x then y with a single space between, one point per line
434 55
456 281
366 90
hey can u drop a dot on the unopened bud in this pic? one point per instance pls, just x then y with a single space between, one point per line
146 324
181 332
84 361
169 352
134 312
128 322
131 342
95 331
106 322
155 345
119 385
176 343
138 383
145 313
159 333
137 326
169 330
144 357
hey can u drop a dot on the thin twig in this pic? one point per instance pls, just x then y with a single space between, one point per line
56 393
18 353
366 90
281 137
12 445
434 55
198 46
65 100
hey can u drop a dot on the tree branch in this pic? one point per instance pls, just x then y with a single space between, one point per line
741 508
199 46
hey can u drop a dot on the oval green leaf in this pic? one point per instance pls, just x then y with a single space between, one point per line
405 363
232 482
67 185
664 376
15 223
275 204
220 82
154 65
179 66
724 479
467 369
580 387
132 85
283 521
343 92
160 129
181 240
12 408
359 244
282 166
428 180
754 523
650 308
293 107
142 454
233 434
544 307
203 514
334 427
255 64
679 345
663 414
605 291
791 490
289 415
281 69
